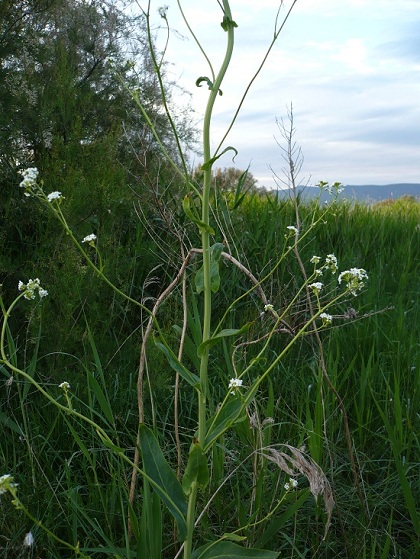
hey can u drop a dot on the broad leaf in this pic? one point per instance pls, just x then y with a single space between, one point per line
197 469
177 366
227 333
222 420
188 209
215 253
165 481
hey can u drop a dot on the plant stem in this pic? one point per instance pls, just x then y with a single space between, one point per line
205 242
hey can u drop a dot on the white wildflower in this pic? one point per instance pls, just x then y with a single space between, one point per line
64 386
294 229
29 178
6 483
354 279
54 196
331 263
235 383
89 238
326 318
291 484
31 288
29 540
315 259
316 287
268 307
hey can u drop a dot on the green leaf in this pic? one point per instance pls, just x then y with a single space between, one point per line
188 209
197 469
215 253
239 195
229 550
227 333
177 366
228 22
166 483
208 164
202 79
100 396
208 81
222 420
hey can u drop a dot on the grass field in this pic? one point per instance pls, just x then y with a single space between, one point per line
77 487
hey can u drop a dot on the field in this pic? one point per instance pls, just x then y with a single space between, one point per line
76 485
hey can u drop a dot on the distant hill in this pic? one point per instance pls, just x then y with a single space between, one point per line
365 193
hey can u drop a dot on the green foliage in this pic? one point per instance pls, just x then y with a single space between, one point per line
76 446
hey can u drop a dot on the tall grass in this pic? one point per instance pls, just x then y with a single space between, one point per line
373 359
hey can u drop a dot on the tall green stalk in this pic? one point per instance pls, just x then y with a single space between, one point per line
229 26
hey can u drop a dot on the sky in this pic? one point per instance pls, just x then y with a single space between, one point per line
349 68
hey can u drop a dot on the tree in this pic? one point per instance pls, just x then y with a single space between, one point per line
68 70
228 178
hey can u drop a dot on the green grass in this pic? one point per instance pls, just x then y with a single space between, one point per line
78 488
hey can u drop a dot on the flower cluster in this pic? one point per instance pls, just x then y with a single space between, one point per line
326 319
90 239
293 229
31 287
30 176
316 287
235 383
354 279
6 484
54 196
291 484
331 263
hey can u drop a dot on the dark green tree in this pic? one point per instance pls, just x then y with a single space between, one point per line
68 70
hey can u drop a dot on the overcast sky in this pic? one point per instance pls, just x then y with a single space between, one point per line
351 69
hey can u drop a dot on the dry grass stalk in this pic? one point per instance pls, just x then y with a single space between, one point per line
295 461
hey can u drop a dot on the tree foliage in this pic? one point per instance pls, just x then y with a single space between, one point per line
68 72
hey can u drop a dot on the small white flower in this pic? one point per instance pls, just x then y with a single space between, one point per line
291 484
354 279
54 196
29 540
235 383
294 229
315 259
29 178
268 307
30 289
89 238
6 483
64 386
331 263
326 318
316 287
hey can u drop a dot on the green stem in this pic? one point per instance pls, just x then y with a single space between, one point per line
205 242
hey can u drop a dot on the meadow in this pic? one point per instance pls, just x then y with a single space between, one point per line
72 482
190 367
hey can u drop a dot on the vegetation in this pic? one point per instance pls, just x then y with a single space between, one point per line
338 410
